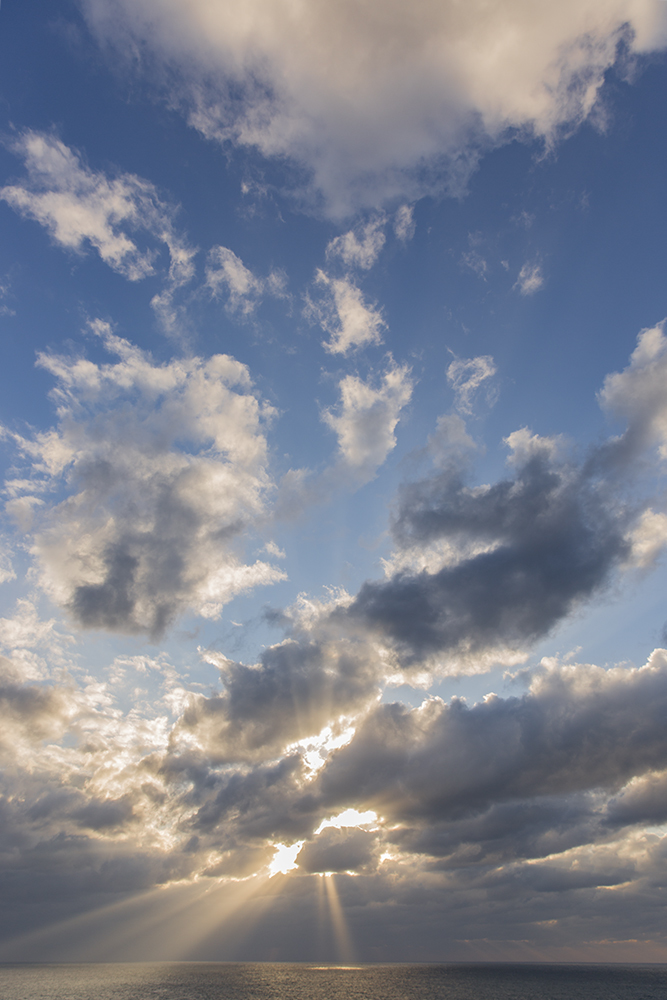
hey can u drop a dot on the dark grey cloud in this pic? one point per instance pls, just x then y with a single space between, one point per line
643 801
577 729
552 535
337 851
297 688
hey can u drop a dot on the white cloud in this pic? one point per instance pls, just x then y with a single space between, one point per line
385 100
226 273
530 279
647 539
7 572
5 291
638 395
80 207
466 375
404 223
163 471
366 418
343 313
359 247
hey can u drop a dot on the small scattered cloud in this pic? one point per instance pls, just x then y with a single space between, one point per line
227 274
6 568
366 418
404 223
466 375
359 247
474 260
637 395
5 292
342 312
530 279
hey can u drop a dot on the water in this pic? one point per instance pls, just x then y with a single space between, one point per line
266 981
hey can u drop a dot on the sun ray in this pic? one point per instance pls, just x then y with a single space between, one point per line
341 932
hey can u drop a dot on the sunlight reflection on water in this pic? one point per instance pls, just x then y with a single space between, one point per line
269 981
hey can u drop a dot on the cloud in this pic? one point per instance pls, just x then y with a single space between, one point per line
382 102
225 271
343 313
5 292
465 375
366 418
6 568
298 688
530 279
404 223
648 539
530 549
637 395
162 468
337 851
490 819
361 247
474 260
79 207
579 728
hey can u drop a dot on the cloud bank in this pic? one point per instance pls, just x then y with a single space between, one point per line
491 818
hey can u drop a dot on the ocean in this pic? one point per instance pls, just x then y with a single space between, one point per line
277 981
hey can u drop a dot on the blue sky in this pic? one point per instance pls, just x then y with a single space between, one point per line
334 431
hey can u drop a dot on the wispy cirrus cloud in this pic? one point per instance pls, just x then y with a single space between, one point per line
530 279
466 376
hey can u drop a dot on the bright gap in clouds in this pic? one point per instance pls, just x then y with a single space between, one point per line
348 818
284 860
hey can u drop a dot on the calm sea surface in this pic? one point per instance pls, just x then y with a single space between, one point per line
260 981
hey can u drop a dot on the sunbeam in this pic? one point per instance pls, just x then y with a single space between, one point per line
346 955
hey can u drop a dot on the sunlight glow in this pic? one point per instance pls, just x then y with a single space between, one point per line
349 817
284 860
315 750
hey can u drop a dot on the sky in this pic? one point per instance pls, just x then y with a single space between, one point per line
333 429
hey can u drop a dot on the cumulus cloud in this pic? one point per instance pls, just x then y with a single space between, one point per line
342 312
466 375
492 818
382 102
163 470
226 273
548 538
554 740
80 207
366 418
637 395
499 816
